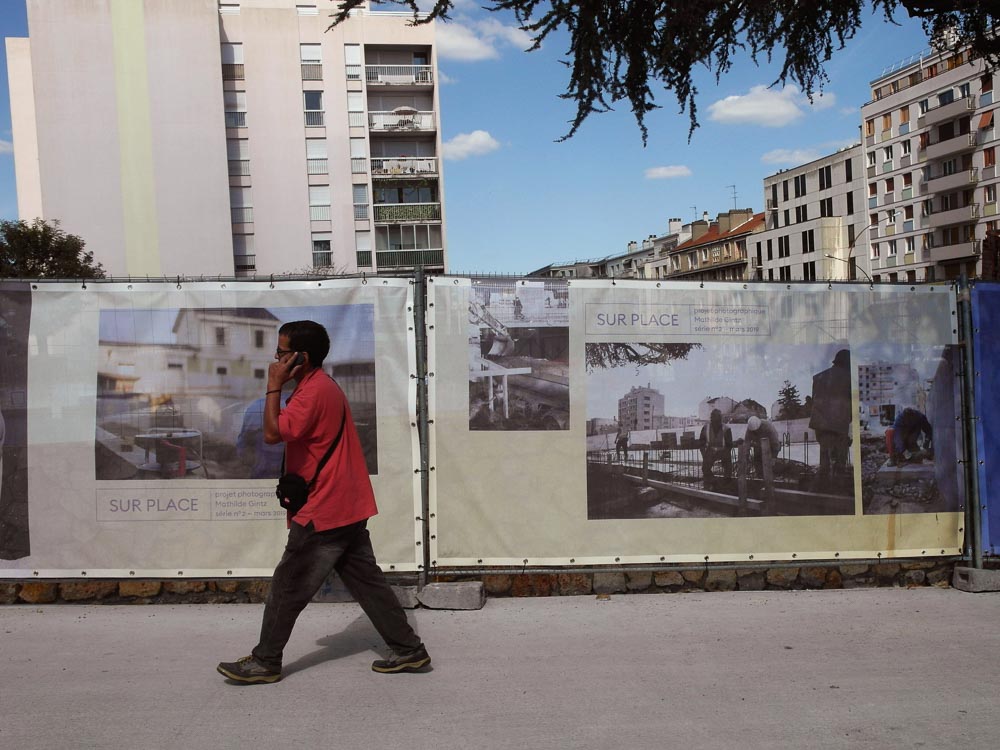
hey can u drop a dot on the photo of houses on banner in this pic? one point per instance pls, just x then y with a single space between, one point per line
909 401
706 430
519 355
180 393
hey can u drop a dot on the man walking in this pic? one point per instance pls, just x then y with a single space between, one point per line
329 532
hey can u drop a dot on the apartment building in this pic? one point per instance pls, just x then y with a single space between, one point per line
814 219
930 159
640 409
229 138
717 250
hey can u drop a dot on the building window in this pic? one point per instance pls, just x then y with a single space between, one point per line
904 114
800 185
870 127
826 207
909 243
809 271
825 177
232 62
258 339
850 203
871 158
238 151
905 147
924 105
356 109
352 61
887 153
360 194
784 190
240 205
316 156
313 105
891 251
989 156
220 336
221 370
322 255
235 103
801 213
319 203
363 249
990 194
887 121
848 171
244 260
311 60
874 250
359 156
770 254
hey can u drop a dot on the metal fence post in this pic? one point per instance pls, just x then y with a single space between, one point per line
973 518
420 331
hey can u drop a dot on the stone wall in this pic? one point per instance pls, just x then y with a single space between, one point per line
908 573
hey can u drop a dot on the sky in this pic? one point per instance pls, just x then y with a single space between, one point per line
516 199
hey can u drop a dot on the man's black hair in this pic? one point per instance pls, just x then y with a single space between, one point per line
307 336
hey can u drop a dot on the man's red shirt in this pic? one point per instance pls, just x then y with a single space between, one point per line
308 424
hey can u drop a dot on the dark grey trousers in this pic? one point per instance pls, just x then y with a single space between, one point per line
309 558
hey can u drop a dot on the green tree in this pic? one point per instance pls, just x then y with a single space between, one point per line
789 401
41 250
618 49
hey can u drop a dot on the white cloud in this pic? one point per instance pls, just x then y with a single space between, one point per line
666 173
767 107
793 156
445 79
472 41
6 147
464 145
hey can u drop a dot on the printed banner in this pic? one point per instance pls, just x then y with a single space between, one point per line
143 410
986 345
624 421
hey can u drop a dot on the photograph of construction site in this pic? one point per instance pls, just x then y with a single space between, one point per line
909 400
180 392
519 355
15 314
694 430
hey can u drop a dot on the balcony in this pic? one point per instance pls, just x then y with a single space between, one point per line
241 214
956 145
312 71
404 166
239 167
232 72
949 111
317 166
956 181
236 119
391 213
954 216
402 120
409 258
966 249
399 75
314 119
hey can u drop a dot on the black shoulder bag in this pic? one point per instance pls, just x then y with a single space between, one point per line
292 490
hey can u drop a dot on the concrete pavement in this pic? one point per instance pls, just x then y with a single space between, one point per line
886 668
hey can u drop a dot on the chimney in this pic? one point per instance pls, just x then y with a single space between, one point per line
633 246
704 215
698 228
674 226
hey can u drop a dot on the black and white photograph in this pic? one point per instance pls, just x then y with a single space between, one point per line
519 355
180 393
909 399
691 430
15 317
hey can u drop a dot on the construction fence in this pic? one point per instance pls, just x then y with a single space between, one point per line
506 422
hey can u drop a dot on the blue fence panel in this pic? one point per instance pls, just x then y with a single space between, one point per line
986 323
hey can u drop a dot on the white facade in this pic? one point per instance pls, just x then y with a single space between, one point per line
221 138
813 211
930 159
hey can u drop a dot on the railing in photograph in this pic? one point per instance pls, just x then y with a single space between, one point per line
239 167
236 119
399 75
397 121
409 258
314 119
319 213
242 214
317 166
392 212
232 72
312 71
359 165
403 165
361 211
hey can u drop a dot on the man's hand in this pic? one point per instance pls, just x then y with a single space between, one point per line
282 370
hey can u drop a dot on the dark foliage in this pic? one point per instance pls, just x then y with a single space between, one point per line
41 250
604 356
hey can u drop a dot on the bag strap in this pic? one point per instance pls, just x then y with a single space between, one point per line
329 451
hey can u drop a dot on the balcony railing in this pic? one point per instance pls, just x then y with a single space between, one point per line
314 119
359 165
397 258
232 72
397 166
245 262
239 167
236 119
393 212
954 215
317 166
960 142
312 71
364 258
322 259
946 182
319 213
356 119
399 75
353 72
401 121
361 211
242 214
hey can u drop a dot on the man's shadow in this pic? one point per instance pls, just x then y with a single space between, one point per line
356 638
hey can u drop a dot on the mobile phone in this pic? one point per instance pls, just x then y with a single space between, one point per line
299 359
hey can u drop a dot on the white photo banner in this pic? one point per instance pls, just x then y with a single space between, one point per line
594 422
144 416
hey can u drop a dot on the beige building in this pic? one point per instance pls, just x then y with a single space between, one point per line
230 138
930 142
717 250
